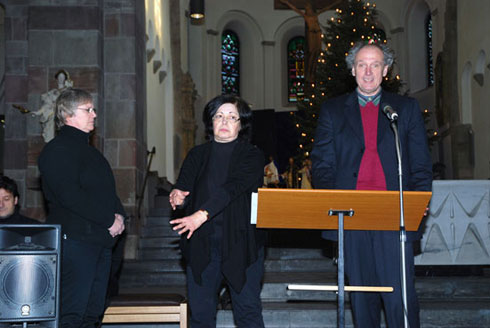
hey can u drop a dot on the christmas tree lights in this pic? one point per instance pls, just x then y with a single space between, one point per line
353 21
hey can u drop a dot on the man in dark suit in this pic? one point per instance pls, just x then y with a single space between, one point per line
355 149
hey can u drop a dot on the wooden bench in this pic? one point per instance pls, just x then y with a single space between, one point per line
147 308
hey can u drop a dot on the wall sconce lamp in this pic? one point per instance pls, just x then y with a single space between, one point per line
196 8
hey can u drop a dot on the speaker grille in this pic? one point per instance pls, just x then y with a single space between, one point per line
27 280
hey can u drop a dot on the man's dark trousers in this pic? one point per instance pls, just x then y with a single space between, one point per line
372 258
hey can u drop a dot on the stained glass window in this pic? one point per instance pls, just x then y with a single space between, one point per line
296 69
230 63
430 65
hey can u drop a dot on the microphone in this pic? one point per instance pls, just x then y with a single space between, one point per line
390 113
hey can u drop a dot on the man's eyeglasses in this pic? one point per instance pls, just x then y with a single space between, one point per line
89 110
231 118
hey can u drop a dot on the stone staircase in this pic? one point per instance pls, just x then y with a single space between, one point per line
455 300
159 263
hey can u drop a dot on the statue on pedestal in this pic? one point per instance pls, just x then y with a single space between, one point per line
46 113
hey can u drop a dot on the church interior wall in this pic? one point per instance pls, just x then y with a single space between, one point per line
473 50
403 20
274 25
437 10
387 24
466 87
2 84
481 116
289 29
198 69
407 37
98 45
416 44
250 35
264 33
480 123
184 33
159 90
261 30
274 28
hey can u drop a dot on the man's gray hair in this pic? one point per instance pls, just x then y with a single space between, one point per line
68 101
388 54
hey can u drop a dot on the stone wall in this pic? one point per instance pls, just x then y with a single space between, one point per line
101 45
19 147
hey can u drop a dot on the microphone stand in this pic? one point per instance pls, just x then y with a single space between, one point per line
403 232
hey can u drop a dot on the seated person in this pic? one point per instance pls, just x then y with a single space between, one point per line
9 199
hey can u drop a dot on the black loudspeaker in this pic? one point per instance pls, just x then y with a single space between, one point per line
30 274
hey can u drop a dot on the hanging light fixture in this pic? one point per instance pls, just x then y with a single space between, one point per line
196 8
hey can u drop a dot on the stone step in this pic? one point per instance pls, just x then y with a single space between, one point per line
276 283
162 202
294 253
157 273
173 265
151 280
428 288
160 253
433 314
157 220
164 230
299 265
162 242
172 251
158 213
457 288
160 266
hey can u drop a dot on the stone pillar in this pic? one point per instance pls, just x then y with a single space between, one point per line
15 161
101 45
450 101
187 118
124 129
269 59
60 37
457 148
183 92
463 151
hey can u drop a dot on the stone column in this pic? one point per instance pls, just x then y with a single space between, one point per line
60 37
16 140
184 93
460 155
269 85
101 45
187 118
124 129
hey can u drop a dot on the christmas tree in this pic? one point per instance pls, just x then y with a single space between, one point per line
354 20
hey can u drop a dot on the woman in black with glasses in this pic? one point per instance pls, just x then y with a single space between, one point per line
218 242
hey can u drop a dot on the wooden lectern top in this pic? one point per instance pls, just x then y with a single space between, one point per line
308 208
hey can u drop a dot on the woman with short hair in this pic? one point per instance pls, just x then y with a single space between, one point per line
218 241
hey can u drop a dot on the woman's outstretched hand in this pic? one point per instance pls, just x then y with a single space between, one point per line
189 223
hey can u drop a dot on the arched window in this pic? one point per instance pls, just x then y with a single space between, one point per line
430 65
296 69
230 63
